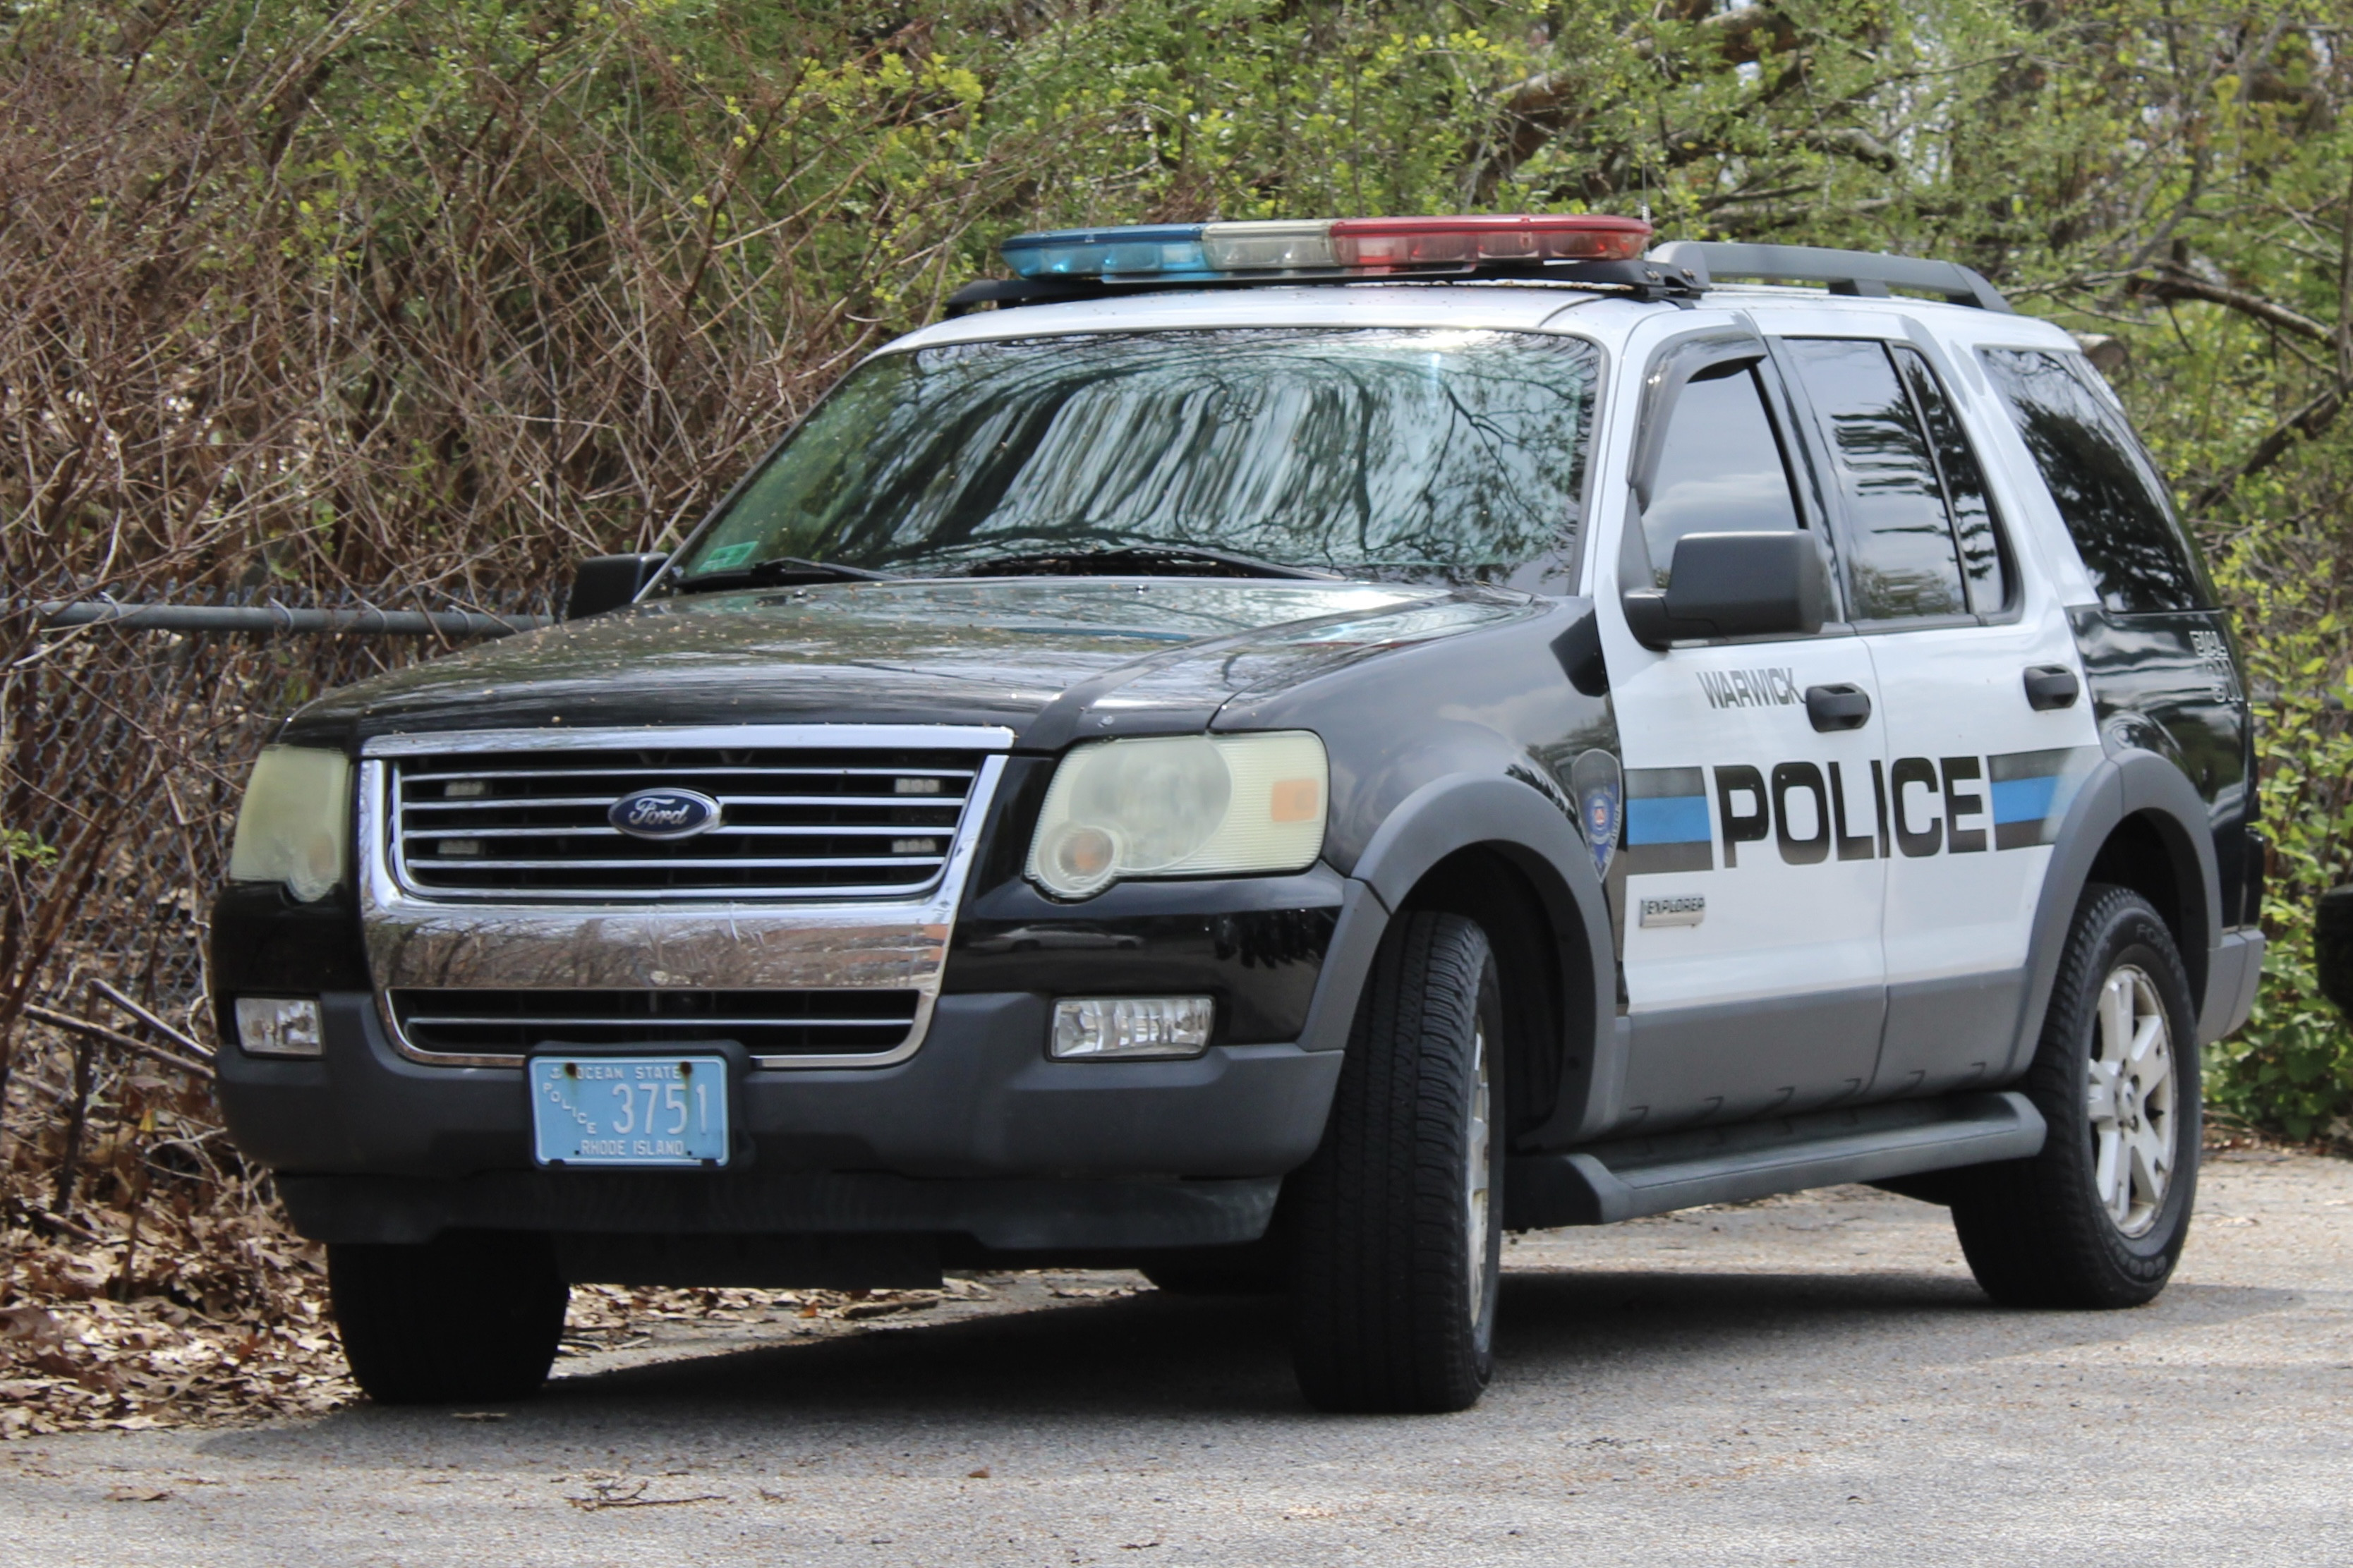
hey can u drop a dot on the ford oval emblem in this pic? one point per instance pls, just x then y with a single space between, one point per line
663 813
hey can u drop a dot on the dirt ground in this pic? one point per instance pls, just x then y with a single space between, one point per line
1812 1379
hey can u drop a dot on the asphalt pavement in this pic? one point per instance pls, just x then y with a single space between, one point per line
1811 1380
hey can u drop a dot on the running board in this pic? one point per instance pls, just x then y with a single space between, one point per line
1635 1176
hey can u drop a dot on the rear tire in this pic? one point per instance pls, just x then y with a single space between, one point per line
2097 1220
470 1317
1397 1220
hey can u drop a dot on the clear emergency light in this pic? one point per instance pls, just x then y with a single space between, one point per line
1323 247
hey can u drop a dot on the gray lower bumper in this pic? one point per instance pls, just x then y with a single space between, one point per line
2233 972
978 1133
1006 1215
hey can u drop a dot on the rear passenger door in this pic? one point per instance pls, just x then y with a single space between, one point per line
1753 975
2155 646
1978 775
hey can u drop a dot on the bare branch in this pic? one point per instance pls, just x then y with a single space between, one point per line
115 1038
2305 423
1852 143
2172 283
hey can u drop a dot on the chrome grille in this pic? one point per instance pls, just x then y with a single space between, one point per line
794 822
508 1022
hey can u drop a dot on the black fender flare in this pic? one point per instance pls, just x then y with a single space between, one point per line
2131 784
1463 811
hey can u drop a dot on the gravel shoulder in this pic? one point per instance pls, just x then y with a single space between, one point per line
1811 1380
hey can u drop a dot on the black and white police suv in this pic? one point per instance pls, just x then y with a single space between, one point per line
1273 753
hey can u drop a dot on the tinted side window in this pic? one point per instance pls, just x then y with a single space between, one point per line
2112 502
1720 468
1901 561
1964 487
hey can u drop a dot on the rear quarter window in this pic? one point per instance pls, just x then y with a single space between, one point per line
2107 491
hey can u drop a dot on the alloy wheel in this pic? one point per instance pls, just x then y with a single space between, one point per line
1477 1173
2130 1099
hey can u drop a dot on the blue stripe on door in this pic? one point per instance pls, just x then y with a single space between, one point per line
2024 800
2028 791
1667 825
1672 819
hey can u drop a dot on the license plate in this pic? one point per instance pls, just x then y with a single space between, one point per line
629 1111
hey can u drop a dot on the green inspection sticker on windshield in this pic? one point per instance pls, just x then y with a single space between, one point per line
629 1111
727 555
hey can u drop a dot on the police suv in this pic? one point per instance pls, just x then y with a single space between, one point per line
1274 753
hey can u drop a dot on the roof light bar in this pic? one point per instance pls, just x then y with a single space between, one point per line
1369 242
1371 247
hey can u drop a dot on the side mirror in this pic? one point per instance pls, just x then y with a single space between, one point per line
605 583
1733 585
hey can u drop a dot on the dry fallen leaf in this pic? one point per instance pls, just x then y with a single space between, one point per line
878 1308
228 1320
30 1323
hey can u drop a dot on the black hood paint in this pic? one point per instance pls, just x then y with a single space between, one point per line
1154 654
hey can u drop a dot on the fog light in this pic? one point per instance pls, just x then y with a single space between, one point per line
277 1025
1127 1027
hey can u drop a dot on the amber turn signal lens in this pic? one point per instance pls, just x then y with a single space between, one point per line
1294 800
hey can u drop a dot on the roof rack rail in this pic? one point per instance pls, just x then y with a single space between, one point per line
1862 272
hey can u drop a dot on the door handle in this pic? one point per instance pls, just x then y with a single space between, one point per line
1838 707
2050 686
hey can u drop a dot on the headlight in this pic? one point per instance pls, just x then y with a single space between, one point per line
1191 805
294 826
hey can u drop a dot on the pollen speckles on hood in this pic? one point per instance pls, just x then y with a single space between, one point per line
931 651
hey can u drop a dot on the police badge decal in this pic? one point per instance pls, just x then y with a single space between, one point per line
1593 779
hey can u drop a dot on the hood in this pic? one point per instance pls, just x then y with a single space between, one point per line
1167 653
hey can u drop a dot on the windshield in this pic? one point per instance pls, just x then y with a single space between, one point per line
1410 454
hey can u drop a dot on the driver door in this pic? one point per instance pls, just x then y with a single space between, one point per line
1755 815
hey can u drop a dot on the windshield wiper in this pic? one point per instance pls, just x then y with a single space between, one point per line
780 571
1140 561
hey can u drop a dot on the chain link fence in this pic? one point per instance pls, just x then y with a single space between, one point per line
126 733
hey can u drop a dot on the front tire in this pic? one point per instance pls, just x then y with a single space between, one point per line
1397 1220
2097 1220
470 1317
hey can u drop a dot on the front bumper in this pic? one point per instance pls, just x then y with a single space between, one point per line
978 1134
966 1137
